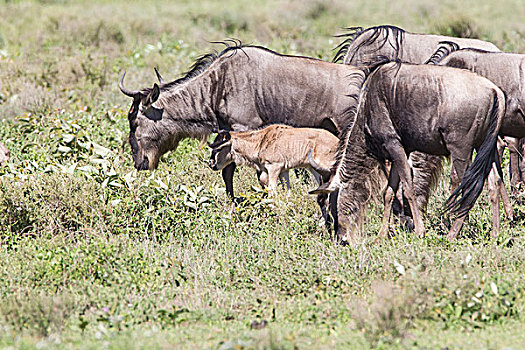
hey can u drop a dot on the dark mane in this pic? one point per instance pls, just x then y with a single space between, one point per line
342 47
202 62
449 47
446 48
355 32
232 46
354 110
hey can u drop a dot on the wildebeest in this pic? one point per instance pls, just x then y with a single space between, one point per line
5 155
241 88
432 109
274 150
363 46
507 71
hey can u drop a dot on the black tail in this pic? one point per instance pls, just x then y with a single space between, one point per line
463 198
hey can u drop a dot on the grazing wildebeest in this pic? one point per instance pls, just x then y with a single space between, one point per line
276 149
4 154
507 71
363 46
432 109
241 88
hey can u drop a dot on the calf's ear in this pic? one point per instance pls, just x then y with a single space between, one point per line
221 138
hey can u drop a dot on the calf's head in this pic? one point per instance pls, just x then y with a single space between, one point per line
221 151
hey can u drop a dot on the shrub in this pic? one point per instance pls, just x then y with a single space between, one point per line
460 27
38 312
51 204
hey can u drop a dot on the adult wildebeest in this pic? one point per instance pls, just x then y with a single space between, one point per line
363 46
274 150
241 88
507 71
432 109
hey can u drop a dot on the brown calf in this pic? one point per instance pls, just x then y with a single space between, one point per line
274 150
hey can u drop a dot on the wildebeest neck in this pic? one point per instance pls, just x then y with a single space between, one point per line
187 110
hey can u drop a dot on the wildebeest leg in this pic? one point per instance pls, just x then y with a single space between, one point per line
507 205
285 179
497 189
514 169
455 228
502 191
227 176
515 174
460 162
322 201
388 199
493 188
400 162
521 152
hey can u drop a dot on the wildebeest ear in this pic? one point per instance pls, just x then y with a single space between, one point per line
153 96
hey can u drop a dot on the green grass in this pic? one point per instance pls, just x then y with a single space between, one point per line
94 254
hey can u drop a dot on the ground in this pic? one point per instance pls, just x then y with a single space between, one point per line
94 254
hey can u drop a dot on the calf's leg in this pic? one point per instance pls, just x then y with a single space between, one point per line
273 176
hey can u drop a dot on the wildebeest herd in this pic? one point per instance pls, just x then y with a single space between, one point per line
398 105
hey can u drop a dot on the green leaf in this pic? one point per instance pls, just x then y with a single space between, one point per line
68 169
459 311
64 149
115 202
129 178
68 137
100 150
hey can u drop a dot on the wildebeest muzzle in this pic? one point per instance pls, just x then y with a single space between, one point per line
144 165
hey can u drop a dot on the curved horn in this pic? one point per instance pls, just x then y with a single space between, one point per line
159 76
125 91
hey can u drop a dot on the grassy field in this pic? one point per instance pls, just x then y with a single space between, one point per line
94 254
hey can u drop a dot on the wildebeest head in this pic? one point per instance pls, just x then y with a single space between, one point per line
221 154
147 137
